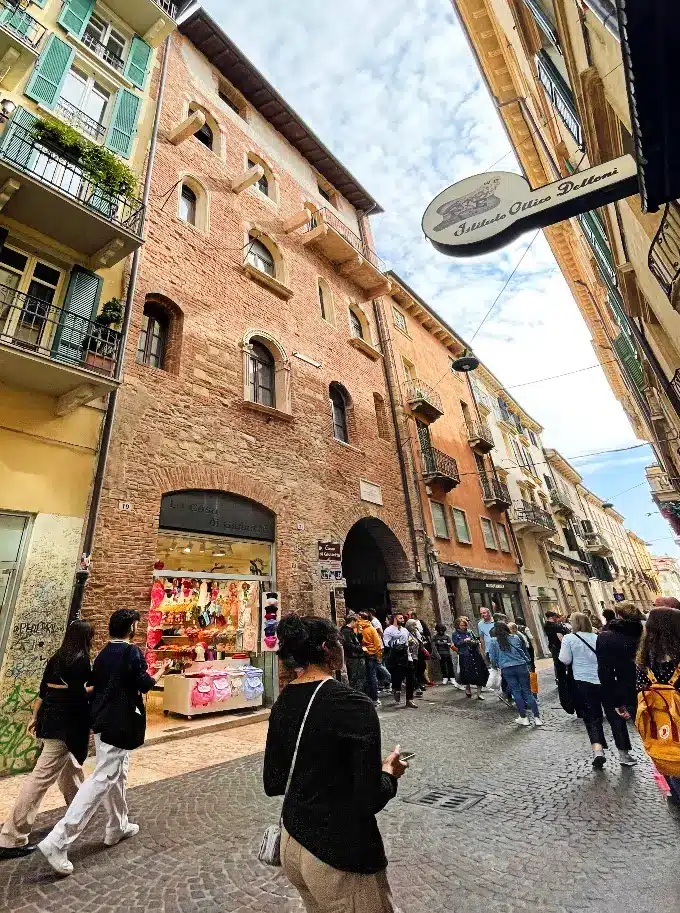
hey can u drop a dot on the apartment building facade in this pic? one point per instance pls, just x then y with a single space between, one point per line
557 75
77 115
255 444
462 505
668 573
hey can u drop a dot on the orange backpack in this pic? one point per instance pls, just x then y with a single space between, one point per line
658 722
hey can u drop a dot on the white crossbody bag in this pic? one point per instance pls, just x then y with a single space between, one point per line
270 848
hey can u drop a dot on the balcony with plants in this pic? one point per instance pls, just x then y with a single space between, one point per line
69 188
55 350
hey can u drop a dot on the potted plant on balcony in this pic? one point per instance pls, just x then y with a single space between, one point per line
100 345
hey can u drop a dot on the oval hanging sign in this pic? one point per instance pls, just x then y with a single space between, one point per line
487 211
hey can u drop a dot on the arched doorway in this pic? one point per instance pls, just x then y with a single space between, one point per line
372 557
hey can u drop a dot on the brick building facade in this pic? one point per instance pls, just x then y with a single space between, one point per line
253 366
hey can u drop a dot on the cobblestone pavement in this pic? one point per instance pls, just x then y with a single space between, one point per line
548 833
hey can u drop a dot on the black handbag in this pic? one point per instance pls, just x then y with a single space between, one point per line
119 717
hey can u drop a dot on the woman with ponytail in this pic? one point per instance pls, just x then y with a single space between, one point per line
331 848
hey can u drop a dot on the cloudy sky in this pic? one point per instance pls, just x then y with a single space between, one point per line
392 89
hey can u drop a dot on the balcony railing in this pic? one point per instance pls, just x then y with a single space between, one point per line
21 24
598 544
40 328
424 400
325 214
661 483
560 95
80 120
561 501
480 436
494 491
524 512
168 7
664 253
43 164
439 466
103 52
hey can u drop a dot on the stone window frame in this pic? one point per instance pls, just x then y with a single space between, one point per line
382 420
278 283
251 158
323 286
493 547
219 147
350 415
460 510
444 518
174 332
355 308
282 387
186 178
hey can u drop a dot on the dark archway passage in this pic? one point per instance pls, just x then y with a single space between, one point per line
372 557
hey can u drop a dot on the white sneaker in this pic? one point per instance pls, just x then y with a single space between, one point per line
56 858
522 721
130 831
445 681
538 721
458 685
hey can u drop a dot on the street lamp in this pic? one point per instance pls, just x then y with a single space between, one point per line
466 363
7 108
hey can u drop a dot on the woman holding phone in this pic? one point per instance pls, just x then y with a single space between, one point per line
331 848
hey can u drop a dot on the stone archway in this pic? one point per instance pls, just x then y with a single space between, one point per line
372 558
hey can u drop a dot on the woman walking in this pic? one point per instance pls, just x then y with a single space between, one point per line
401 655
617 647
579 650
472 668
331 848
61 719
659 654
507 653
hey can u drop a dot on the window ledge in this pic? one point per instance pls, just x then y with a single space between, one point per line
268 410
348 446
270 282
362 346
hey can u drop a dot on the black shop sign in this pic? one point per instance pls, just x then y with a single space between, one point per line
217 513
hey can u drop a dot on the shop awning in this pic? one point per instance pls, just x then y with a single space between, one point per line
650 45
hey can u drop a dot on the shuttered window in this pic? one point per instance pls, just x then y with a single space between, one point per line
50 71
123 123
75 15
80 306
139 59
441 527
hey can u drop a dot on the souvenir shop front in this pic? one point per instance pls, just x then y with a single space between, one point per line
214 611
497 597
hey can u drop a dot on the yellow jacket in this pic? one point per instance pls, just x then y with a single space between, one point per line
370 639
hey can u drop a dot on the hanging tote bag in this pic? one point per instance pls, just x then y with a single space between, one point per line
270 848
533 681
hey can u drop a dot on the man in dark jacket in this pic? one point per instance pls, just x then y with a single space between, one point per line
616 650
555 631
119 678
354 653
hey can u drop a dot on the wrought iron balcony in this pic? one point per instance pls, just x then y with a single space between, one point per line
329 235
597 544
168 7
67 112
103 52
424 401
480 437
526 517
664 253
15 19
561 503
494 492
53 195
55 351
560 94
440 469
664 487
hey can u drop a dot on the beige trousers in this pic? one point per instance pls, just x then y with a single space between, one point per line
56 764
327 890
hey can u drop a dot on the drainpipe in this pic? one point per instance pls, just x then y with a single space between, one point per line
83 573
605 11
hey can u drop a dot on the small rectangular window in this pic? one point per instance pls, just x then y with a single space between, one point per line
503 537
326 194
487 533
532 438
441 527
399 320
461 526
229 101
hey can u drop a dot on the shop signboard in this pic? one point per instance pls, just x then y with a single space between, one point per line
330 551
330 563
217 513
495 586
487 211
619 597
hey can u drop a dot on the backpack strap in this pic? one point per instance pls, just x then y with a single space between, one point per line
675 677
650 675
585 642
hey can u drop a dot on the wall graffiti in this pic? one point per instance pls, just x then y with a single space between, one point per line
18 750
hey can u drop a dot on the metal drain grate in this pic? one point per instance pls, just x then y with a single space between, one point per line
449 800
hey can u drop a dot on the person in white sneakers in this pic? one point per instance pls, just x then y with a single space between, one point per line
507 653
119 678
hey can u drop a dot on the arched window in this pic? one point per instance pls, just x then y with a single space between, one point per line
339 406
263 183
153 336
205 136
261 375
209 133
356 325
188 205
260 256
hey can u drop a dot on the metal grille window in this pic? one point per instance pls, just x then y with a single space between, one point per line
188 205
461 527
356 325
83 103
261 375
503 537
339 407
105 41
261 257
532 437
152 337
399 320
441 527
487 533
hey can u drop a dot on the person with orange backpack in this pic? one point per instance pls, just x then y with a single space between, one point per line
658 685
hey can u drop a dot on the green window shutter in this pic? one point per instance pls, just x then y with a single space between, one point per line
74 16
123 123
137 69
50 72
17 141
40 3
80 307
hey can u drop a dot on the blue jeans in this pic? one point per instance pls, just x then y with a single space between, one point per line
517 678
371 686
383 676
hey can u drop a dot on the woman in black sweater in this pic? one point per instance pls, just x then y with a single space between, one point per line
331 848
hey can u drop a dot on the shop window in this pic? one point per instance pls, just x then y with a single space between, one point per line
487 533
340 407
151 345
439 522
461 526
503 537
261 375
381 418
